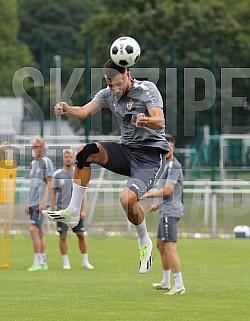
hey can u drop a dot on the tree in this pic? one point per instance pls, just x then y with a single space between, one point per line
194 26
171 33
58 24
13 54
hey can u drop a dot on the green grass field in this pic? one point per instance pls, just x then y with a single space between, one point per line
215 271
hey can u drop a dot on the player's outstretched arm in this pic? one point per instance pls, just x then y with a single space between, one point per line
166 191
77 112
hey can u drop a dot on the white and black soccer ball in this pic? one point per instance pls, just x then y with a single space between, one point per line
125 51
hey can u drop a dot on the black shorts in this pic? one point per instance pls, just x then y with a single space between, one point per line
62 228
142 165
167 230
36 217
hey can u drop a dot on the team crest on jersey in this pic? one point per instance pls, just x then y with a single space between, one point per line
130 104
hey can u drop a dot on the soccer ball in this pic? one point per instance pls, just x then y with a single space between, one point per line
125 51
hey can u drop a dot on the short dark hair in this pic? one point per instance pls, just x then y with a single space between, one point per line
169 138
111 70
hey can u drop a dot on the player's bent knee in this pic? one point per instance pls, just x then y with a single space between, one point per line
84 153
128 199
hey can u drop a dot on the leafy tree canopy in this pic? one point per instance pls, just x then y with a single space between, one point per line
58 22
172 33
192 25
13 54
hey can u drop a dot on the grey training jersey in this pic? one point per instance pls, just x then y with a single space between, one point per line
62 183
142 96
39 172
173 205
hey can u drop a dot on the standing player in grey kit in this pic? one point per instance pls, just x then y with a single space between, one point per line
61 194
40 190
137 107
171 207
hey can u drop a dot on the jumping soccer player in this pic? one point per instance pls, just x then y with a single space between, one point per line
137 107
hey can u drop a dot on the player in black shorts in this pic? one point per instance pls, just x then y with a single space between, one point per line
171 206
137 107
